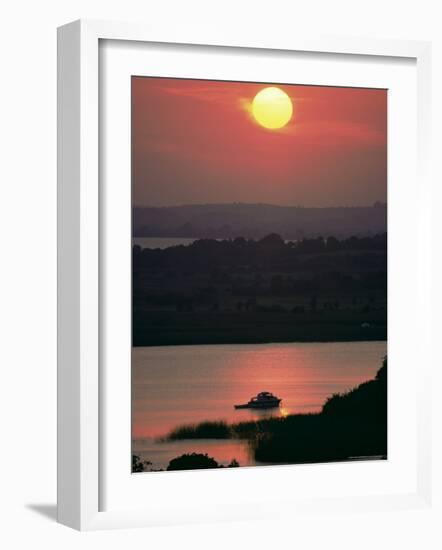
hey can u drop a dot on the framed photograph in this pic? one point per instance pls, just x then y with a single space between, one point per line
243 276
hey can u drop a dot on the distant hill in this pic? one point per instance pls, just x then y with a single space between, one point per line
254 221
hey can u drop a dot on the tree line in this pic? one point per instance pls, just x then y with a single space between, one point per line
240 251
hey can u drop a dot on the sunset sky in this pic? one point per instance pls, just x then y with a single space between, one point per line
196 142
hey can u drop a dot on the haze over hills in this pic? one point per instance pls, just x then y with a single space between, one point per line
254 221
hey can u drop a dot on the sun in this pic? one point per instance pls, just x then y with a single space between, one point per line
272 108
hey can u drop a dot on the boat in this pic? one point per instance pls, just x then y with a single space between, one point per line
264 400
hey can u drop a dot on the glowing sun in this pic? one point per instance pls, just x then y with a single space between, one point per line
272 108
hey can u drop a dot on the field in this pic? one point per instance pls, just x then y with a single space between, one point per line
172 328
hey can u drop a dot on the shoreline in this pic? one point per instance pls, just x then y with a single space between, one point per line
173 329
251 341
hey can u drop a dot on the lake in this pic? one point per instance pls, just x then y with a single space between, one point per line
178 385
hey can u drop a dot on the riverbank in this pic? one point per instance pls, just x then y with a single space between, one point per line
161 328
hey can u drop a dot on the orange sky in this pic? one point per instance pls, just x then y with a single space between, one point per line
195 142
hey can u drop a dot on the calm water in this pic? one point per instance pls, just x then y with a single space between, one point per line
188 384
160 242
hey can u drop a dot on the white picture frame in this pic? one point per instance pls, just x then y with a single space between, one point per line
80 274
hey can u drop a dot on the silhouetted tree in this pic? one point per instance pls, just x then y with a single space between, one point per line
192 461
332 244
139 465
313 303
272 240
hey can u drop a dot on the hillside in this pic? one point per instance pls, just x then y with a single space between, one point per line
254 221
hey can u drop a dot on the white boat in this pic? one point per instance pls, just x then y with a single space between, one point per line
264 400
